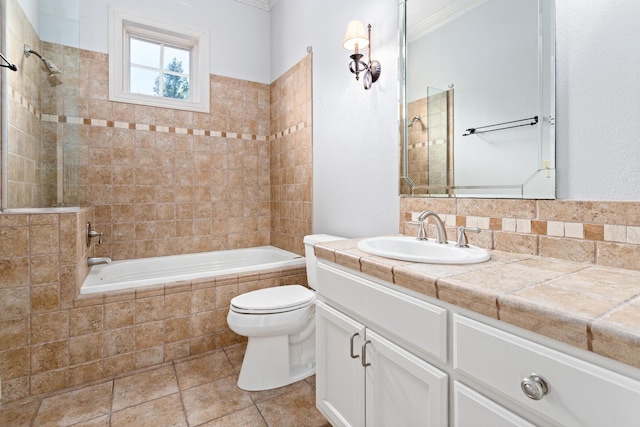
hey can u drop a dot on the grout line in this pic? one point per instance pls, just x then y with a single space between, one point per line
184 408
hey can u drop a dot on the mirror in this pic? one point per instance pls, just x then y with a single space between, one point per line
477 107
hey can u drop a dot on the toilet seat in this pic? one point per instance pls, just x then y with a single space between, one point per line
278 299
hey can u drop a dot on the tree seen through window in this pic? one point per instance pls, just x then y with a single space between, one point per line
175 86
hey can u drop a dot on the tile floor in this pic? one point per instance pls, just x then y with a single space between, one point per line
196 391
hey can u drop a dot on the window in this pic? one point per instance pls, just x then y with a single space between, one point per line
157 64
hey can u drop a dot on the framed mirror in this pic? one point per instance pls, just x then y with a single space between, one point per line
477 98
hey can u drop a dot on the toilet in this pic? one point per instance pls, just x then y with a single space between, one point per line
281 326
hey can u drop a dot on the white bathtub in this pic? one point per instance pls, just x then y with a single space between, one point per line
135 273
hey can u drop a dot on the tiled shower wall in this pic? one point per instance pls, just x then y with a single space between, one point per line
291 157
430 153
26 159
43 260
596 232
168 181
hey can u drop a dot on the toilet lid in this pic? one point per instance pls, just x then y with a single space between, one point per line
273 300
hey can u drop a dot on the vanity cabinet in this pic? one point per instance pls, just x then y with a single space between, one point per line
364 374
556 386
389 357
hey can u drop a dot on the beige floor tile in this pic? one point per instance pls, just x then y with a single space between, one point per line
143 387
235 353
210 397
213 400
18 414
203 370
101 421
295 408
246 417
75 406
261 396
166 412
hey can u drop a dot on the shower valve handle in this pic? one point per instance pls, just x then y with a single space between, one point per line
91 234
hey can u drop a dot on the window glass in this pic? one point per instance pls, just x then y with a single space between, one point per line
158 64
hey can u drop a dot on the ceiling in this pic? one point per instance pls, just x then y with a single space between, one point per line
260 4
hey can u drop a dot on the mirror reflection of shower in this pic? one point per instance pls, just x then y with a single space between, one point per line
415 119
50 65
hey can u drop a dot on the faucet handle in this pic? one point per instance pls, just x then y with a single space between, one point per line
92 233
461 239
422 233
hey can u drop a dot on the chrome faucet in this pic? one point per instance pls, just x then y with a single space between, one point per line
422 234
99 260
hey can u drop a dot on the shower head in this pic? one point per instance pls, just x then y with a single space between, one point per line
415 119
50 65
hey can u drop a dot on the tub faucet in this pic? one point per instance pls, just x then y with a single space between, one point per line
99 260
422 234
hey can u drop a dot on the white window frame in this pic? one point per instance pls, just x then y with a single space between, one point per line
124 24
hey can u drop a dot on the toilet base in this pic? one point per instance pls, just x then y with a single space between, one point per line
272 362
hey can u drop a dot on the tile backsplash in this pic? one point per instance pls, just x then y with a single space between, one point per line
596 232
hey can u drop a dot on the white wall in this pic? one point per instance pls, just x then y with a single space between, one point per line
239 33
355 166
597 106
598 99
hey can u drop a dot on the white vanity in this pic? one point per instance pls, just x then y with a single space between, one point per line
391 356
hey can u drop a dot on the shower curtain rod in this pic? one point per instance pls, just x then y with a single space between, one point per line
474 131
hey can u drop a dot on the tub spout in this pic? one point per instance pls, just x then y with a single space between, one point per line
101 260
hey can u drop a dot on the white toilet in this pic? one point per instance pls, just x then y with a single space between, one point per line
281 325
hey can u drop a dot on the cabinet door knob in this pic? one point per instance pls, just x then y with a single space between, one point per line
534 386
353 356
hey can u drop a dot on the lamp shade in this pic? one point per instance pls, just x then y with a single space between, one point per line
356 36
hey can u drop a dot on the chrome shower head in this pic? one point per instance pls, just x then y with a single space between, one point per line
50 65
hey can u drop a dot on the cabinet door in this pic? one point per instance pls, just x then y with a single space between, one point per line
401 389
339 377
471 409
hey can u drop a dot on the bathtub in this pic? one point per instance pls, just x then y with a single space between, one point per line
136 273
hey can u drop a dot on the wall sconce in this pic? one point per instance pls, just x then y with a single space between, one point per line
357 38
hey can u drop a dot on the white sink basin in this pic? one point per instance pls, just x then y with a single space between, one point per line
410 249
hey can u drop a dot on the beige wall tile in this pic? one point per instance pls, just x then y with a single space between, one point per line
85 348
85 320
615 233
49 381
571 250
14 363
149 309
574 230
149 335
49 327
555 228
49 356
14 302
618 255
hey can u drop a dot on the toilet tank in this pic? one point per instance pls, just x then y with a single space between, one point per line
310 256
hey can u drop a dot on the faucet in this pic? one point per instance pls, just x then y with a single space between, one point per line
461 239
422 234
98 260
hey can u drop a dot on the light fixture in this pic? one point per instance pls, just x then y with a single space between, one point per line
357 38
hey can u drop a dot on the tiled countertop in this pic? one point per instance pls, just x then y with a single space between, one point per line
588 306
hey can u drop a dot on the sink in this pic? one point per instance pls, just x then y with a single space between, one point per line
405 248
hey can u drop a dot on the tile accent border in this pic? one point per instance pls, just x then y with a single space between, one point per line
603 233
53 118
150 128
